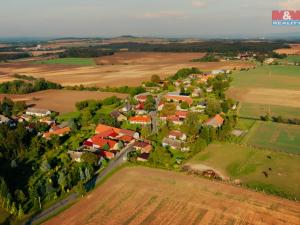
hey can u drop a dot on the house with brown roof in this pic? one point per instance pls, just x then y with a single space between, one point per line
58 131
118 116
142 146
172 143
216 121
177 135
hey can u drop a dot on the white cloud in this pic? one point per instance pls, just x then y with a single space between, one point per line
163 14
199 4
290 4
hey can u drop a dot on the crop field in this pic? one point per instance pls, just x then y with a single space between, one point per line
152 196
68 61
62 101
124 68
283 137
272 171
293 50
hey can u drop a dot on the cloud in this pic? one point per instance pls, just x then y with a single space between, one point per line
199 4
163 14
290 4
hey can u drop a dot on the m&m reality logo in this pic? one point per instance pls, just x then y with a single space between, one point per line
286 17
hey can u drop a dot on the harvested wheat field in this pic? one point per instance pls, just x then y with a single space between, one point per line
121 69
61 101
152 196
294 50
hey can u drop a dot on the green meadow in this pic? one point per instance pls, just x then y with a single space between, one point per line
291 59
277 136
274 77
255 110
249 164
68 61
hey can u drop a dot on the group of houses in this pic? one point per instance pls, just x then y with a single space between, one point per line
108 141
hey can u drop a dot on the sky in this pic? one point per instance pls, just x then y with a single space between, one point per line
157 18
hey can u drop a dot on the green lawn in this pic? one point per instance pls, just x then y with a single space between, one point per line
107 109
245 124
282 137
290 59
254 110
274 77
69 61
68 116
248 163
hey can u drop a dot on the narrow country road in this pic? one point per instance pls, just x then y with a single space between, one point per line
119 159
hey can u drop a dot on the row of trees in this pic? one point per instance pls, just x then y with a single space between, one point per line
85 52
24 87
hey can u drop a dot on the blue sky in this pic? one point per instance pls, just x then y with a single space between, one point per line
177 18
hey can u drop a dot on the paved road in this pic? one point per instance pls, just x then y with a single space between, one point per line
153 114
120 158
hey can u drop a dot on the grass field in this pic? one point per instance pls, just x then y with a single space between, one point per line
151 196
248 164
68 61
269 77
291 59
283 137
255 110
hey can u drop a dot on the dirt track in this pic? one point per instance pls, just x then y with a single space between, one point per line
128 69
62 101
151 196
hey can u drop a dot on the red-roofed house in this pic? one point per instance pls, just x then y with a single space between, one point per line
107 155
141 97
216 121
99 142
181 114
59 132
144 120
101 128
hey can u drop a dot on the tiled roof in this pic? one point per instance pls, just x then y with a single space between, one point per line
140 119
215 121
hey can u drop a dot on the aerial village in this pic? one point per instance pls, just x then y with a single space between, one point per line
167 101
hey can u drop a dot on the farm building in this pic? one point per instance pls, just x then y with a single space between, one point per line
179 98
38 112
